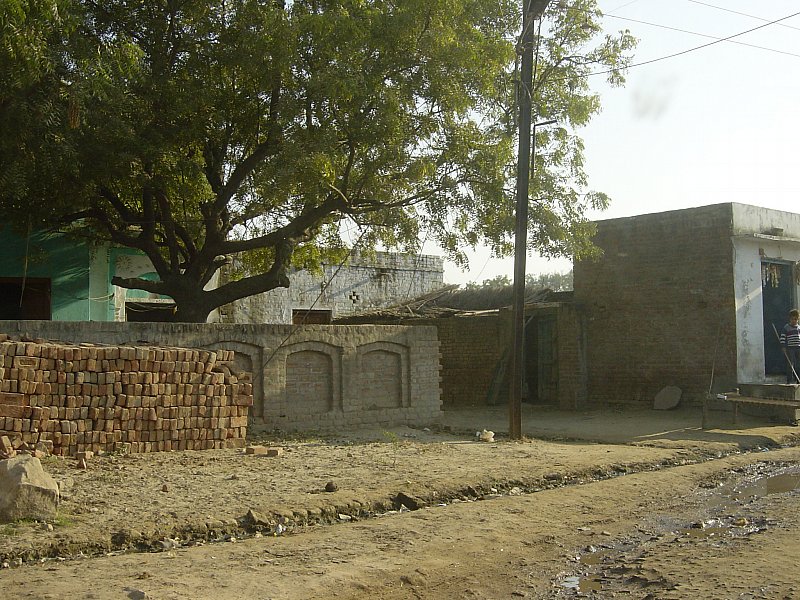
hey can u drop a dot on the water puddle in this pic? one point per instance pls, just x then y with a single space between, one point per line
583 585
593 558
704 532
777 484
725 502
751 489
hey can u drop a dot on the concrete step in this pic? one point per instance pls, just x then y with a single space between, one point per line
776 391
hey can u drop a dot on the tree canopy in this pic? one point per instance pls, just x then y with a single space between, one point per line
200 130
555 281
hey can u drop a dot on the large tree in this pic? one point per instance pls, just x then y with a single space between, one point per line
200 130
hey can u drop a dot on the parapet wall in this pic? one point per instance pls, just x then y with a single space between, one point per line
74 398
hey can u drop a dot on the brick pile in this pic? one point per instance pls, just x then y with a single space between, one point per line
77 398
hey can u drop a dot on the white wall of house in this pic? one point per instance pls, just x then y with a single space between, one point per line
363 283
128 265
759 234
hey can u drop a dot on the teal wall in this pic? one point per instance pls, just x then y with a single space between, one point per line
79 273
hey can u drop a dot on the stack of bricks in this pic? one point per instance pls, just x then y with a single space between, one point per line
131 399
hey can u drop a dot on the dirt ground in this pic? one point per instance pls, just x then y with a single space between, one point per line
635 503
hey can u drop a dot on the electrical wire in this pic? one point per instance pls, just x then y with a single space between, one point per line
624 5
687 51
705 35
736 12
25 266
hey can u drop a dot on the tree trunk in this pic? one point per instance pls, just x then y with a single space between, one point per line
191 312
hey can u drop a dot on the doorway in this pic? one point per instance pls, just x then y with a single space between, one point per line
541 360
25 299
149 312
777 294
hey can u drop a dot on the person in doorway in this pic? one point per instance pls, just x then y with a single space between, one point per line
790 342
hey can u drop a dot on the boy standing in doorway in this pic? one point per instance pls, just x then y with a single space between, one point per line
790 342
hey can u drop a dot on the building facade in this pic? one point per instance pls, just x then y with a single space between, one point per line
689 298
50 276
362 283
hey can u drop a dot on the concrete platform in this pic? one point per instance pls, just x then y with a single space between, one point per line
777 409
775 391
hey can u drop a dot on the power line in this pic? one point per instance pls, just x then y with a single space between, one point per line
624 5
705 35
736 12
687 51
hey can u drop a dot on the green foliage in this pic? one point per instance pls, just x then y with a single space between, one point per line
201 130
498 281
558 282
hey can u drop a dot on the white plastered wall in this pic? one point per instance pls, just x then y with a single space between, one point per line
758 234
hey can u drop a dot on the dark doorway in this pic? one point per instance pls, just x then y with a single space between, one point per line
149 312
24 299
311 317
777 285
541 364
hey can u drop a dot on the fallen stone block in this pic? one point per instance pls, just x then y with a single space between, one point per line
26 491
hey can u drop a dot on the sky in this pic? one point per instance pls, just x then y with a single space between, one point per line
716 124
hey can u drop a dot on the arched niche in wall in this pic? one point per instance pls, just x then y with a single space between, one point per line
313 377
383 375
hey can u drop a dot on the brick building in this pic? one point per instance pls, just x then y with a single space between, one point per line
687 298
474 332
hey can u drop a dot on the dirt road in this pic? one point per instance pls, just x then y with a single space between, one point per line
649 516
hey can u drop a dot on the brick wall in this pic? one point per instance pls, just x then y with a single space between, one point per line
659 305
138 399
362 375
471 348
304 377
571 348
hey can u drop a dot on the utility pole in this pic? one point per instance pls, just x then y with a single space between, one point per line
531 10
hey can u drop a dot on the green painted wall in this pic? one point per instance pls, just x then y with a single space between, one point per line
80 282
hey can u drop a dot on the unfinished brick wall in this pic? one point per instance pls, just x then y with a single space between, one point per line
475 348
471 348
74 398
659 304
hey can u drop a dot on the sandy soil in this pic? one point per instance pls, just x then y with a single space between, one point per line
429 514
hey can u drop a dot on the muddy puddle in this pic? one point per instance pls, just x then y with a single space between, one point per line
725 515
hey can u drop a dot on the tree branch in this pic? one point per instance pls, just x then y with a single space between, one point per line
154 287
263 282
297 228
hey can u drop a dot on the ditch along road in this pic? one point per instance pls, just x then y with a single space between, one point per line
671 514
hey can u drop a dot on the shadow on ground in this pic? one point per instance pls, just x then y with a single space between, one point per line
627 426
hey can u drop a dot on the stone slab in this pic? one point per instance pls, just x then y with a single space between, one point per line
668 398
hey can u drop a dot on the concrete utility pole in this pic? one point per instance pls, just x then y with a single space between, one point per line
531 10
